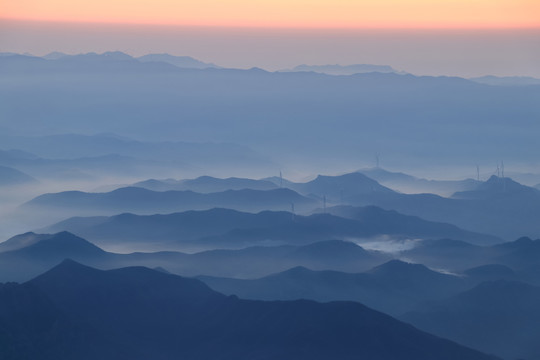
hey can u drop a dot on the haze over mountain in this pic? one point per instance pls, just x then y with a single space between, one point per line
10 176
224 228
261 182
27 255
169 316
521 257
206 184
248 180
180 61
343 69
349 117
498 200
336 188
410 184
394 287
112 155
507 80
391 222
143 201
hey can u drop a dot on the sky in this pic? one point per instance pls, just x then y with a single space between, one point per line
288 13
426 37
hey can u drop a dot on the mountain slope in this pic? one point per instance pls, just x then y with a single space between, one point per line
179 61
229 228
394 287
497 316
409 184
489 209
392 222
164 316
143 201
25 256
339 188
206 184
10 176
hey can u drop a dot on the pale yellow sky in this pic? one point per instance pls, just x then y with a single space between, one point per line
285 13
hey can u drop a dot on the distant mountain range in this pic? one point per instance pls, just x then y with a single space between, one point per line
410 184
225 228
487 209
336 188
186 62
10 176
507 80
180 61
332 119
394 287
484 207
72 155
143 201
29 254
74 311
206 184
344 69
521 255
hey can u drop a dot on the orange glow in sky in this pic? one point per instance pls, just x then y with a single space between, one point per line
285 13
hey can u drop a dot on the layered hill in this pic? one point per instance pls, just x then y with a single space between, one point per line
163 316
225 228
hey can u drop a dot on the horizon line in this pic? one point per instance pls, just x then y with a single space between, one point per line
277 27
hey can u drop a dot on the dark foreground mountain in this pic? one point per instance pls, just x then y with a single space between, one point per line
76 312
501 317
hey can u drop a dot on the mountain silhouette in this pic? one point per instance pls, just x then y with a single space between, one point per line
143 201
496 316
411 184
394 287
488 209
206 184
328 117
230 228
179 61
163 316
392 222
25 256
339 188
344 69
